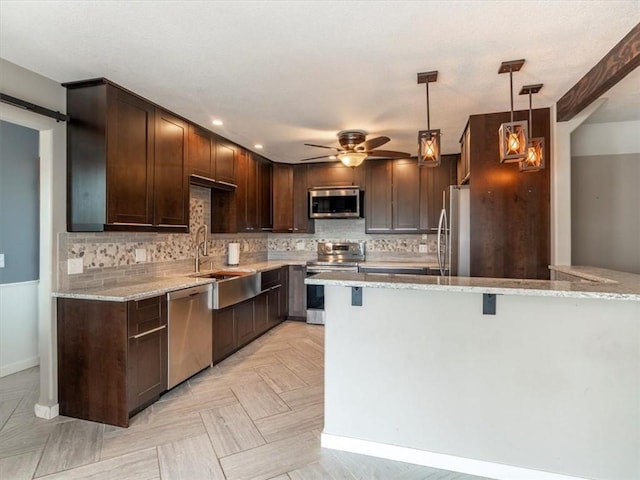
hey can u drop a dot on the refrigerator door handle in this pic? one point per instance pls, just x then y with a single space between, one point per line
442 222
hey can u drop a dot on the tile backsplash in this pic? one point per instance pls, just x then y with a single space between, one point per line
109 258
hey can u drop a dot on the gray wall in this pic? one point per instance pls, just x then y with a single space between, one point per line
605 211
19 201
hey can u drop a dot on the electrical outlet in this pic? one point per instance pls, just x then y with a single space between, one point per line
424 236
141 255
1 260
423 248
299 245
74 266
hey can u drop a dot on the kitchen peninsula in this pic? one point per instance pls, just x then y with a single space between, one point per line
546 385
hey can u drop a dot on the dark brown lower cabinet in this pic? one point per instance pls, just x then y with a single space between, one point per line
224 333
236 326
112 357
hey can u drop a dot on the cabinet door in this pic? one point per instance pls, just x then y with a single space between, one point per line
261 313
200 152
224 333
171 190
273 306
130 163
250 211
301 221
283 203
433 182
378 197
147 359
284 294
297 291
330 175
225 163
265 174
245 328
406 195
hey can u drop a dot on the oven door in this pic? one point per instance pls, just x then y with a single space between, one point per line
315 302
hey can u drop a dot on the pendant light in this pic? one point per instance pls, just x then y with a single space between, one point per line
534 160
428 140
512 135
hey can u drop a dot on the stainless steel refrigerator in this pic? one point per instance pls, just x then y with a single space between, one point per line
454 228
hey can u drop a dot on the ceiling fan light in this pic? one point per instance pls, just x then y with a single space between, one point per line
429 148
352 159
513 141
535 156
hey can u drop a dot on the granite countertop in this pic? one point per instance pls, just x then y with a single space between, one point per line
595 283
161 285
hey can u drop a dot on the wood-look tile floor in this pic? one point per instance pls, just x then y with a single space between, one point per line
257 415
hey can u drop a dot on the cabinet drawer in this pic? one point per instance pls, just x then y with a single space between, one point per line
147 314
270 278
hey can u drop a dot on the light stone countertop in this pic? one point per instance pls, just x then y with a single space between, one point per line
161 285
608 284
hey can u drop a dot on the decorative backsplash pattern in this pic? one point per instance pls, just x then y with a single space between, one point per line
110 257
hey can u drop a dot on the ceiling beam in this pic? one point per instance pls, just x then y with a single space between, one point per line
614 66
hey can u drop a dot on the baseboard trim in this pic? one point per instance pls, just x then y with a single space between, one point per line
16 367
437 460
47 411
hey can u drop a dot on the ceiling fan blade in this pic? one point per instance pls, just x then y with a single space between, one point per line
315 158
388 154
320 146
373 143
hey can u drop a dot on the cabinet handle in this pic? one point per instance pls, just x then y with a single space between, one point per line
149 332
132 224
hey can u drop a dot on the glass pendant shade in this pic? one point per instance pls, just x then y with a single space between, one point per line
429 148
535 156
352 159
513 141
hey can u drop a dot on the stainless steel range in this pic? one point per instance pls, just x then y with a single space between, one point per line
332 257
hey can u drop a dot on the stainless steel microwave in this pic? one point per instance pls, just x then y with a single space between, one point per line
336 202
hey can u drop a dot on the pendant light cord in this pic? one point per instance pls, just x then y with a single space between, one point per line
511 90
428 117
530 115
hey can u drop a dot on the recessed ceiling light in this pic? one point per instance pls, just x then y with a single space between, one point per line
217 122
258 146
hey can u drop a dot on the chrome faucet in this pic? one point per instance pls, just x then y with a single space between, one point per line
201 245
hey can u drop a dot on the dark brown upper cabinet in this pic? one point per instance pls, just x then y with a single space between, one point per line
433 182
334 174
125 162
290 199
211 157
392 196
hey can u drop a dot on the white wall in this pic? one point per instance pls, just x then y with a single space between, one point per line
18 326
605 198
24 84
546 384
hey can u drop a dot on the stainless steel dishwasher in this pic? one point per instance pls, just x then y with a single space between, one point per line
190 332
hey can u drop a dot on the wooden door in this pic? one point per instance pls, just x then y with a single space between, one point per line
265 174
200 152
148 352
245 326
225 163
261 313
224 333
378 197
330 174
297 292
433 181
251 194
301 221
283 203
406 195
171 188
130 162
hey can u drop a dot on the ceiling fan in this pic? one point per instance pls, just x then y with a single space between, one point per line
355 148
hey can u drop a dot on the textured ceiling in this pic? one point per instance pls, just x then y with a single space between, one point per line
284 73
